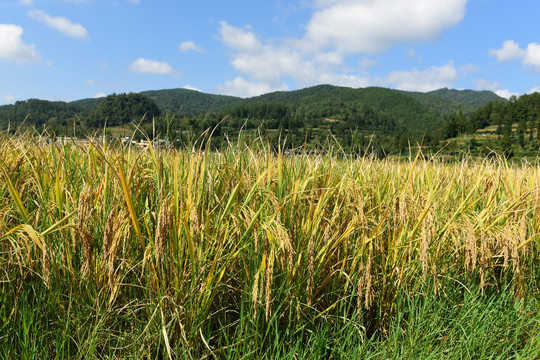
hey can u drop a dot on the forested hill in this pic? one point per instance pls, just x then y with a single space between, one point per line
411 111
450 102
370 109
188 102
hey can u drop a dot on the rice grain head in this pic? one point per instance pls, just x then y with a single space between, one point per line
84 236
163 228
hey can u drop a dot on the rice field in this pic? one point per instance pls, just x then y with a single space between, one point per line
112 252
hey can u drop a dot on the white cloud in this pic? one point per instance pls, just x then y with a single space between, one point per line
60 23
366 63
190 45
239 39
264 62
535 89
189 87
8 98
413 55
151 67
512 51
468 68
483 84
99 95
509 51
430 79
372 26
243 88
532 57
13 48
506 93
339 28
134 1
26 2
268 64
330 58
89 82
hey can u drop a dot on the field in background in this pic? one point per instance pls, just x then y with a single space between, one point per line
111 252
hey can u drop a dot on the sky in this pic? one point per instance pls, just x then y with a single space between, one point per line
73 49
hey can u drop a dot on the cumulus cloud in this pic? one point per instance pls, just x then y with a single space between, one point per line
26 2
89 82
13 48
336 30
243 88
372 26
507 94
60 23
239 39
190 45
430 79
151 67
99 95
532 57
263 62
509 51
269 64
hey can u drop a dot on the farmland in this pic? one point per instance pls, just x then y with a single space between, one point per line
113 252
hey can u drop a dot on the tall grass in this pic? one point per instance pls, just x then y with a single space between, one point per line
115 252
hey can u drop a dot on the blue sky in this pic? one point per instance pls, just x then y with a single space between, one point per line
73 49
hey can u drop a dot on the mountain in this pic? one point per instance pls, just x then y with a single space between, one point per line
188 102
411 110
371 109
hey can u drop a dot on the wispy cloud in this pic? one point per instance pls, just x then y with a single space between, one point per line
483 84
60 23
13 48
8 98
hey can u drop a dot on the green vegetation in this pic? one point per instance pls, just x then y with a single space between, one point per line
113 252
122 109
362 120
511 128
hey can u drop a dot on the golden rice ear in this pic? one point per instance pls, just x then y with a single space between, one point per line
163 228
83 233
471 250
269 281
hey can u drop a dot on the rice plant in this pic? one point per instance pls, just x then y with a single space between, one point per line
113 252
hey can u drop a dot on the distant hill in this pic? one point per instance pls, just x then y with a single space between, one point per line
372 108
412 110
189 102
450 102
